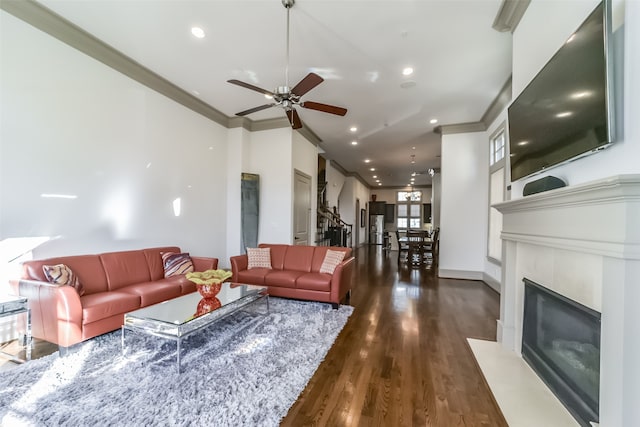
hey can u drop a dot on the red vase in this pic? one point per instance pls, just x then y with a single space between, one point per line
209 291
206 305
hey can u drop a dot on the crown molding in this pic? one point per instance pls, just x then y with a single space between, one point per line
56 26
509 15
469 127
499 103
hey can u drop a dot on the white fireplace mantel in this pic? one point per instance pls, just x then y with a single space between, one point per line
582 242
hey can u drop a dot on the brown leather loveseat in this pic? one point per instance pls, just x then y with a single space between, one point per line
114 283
295 273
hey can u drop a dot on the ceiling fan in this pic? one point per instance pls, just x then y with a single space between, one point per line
287 98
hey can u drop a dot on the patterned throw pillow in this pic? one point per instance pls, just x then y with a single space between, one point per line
60 274
176 264
259 258
331 261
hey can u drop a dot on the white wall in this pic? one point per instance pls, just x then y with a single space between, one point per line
239 140
70 125
271 158
537 38
464 204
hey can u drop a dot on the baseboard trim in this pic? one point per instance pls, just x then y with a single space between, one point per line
460 274
491 282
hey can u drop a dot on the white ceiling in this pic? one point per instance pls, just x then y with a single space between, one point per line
359 46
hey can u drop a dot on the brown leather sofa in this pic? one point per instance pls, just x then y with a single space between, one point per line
295 273
115 283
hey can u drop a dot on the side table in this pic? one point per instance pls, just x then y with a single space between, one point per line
12 306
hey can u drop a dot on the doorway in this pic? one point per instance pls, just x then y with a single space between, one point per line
301 208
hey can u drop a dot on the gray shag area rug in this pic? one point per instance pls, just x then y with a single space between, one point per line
246 370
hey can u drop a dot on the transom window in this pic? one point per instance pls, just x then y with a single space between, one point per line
497 147
405 196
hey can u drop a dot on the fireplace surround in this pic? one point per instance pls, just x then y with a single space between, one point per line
582 242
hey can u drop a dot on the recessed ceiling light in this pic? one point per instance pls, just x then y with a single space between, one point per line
523 142
353 129
372 169
379 183
413 174
354 142
564 114
375 176
367 160
407 71
377 180
197 32
433 121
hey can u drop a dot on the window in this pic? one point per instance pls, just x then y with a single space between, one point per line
496 193
497 147
409 209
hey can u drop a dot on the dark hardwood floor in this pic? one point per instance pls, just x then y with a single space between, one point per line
403 358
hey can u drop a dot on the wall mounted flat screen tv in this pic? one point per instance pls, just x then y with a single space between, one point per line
566 111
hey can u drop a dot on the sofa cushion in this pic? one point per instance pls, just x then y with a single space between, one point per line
298 258
282 278
62 275
125 268
258 258
278 253
254 276
176 264
321 251
331 261
154 292
87 268
106 304
154 260
314 282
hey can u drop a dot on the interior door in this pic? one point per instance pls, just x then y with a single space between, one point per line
301 208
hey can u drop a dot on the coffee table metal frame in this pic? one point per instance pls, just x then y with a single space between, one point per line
11 306
148 321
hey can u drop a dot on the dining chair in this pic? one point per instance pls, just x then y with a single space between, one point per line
432 248
403 247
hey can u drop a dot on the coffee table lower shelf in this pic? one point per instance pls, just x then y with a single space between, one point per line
178 318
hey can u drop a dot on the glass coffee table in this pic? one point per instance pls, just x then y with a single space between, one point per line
178 318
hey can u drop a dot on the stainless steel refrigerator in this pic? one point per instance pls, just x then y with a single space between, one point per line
376 229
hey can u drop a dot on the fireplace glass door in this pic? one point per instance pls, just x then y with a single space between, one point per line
561 342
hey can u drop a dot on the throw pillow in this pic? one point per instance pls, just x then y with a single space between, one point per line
176 263
259 258
331 261
62 275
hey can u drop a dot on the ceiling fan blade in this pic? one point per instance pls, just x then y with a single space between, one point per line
294 119
249 86
254 109
324 108
312 80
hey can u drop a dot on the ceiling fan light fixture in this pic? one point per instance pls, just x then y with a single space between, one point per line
288 98
407 71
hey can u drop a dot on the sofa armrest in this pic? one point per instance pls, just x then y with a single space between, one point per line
341 280
203 263
238 263
56 311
